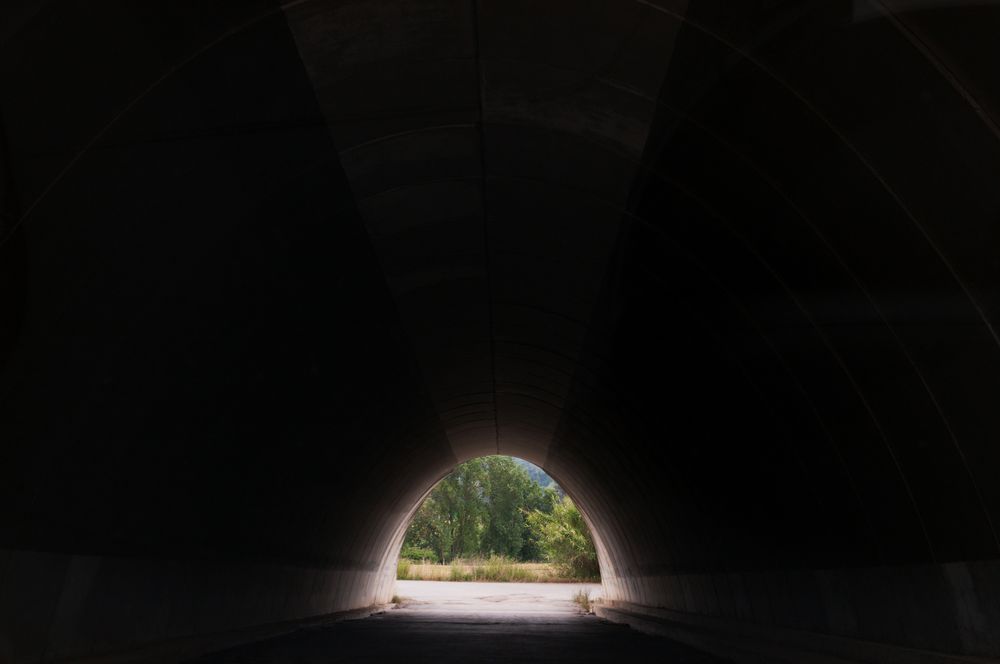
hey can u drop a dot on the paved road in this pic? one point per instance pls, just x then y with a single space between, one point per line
421 597
443 622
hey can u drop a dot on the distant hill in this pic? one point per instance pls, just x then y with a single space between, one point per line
539 476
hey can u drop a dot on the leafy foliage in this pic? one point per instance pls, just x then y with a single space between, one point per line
539 476
566 540
480 511
417 553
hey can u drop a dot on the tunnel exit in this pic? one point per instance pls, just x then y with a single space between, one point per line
497 534
498 518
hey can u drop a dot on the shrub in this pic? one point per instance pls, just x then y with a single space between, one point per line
566 541
403 569
418 553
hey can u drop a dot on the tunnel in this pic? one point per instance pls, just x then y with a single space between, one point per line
729 271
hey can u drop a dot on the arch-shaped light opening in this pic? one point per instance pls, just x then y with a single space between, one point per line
390 558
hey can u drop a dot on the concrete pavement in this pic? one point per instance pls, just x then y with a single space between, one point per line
469 622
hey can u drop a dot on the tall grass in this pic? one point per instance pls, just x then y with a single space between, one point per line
494 568
457 572
501 568
403 568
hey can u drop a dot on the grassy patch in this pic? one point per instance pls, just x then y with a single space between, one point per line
401 602
498 568
403 569
456 572
582 598
494 568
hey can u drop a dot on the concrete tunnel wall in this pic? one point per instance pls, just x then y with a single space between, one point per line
727 270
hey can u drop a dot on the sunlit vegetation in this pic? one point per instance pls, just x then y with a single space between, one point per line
565 539
582 599
498 519
495 568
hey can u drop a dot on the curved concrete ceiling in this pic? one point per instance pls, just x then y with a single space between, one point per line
727 270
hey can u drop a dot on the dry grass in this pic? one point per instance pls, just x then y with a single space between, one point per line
490 569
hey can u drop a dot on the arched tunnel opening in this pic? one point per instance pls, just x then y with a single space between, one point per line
498 518
728 271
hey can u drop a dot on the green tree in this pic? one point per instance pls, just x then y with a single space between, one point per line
428 530
540 501
566 540
481 509
509 492
449 521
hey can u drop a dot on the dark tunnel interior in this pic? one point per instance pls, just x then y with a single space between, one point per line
729 270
